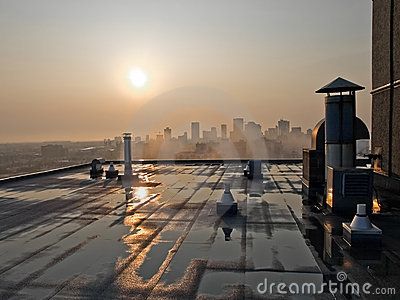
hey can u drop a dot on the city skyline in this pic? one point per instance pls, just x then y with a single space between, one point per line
247 139
175 134
219 131
241 139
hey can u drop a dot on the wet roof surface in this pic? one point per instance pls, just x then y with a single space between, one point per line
64 235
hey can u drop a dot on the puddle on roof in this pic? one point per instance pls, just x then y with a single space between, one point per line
153 260
294 201
200 234
227 242
278 247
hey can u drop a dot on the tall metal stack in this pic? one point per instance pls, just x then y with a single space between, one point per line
340 123
127 154
334 168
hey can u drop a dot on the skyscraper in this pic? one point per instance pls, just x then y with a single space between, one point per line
238 124
253 131
195 132
213 135
183 138
296 130
167 134
206 136
237 133
283 127
271 133
159 138
224 131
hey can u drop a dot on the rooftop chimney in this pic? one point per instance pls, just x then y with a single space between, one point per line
127 153
340 123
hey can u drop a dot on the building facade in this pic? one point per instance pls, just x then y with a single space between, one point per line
195 132
252 131
224 131
386 86
283 127
167 134
237 133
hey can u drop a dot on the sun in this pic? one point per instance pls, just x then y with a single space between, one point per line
137 77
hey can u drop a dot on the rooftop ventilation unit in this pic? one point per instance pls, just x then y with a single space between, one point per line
313 179
348 187
334 144
96 168
254 170
111 172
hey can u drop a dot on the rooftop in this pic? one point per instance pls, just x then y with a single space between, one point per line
64 235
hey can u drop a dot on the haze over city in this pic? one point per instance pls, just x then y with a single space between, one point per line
186 149
77 71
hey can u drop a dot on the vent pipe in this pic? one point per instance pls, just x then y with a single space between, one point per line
127 153
340 123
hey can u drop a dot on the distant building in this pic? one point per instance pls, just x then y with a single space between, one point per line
252 131
283 127
195 136
271 133
159 138
240 149
224 131
138 139
118 141
238 124
210 135
296 129
147 138
167 134
237 133
183 138
213 134
206 135
53 151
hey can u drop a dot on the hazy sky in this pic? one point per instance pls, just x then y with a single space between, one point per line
64 64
